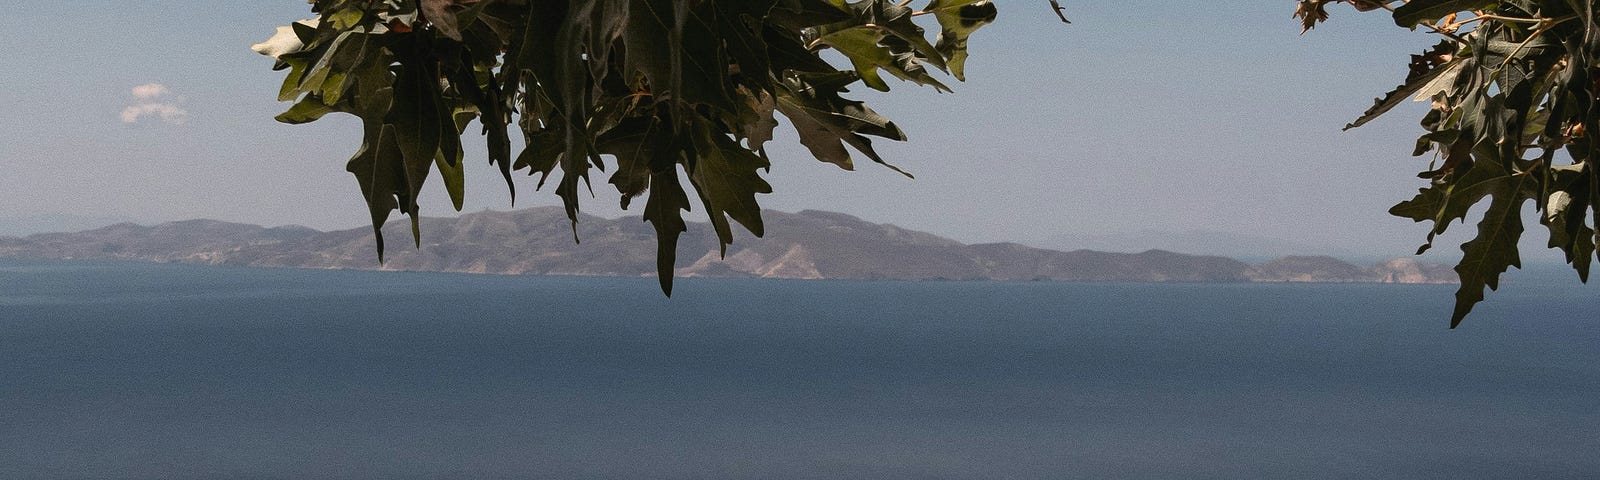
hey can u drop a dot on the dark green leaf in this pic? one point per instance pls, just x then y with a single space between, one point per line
678 52
417 124
725 176
823 119
1416 12
1495 249
379 168
664 209
1430 74
1566 215
308 109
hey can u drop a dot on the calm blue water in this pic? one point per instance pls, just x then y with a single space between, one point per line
112 371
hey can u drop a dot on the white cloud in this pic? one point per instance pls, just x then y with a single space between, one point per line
150 91
150 102
169 113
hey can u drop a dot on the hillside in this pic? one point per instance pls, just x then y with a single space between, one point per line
805 245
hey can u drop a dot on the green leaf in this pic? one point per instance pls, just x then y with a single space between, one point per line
345 65
448 159
1566 215
678 52
740 25
416 119
1587 248
290 89
634 145
1415 12
861 44
725 176
1426 206
454 177
958 19
1429 204
824 143
555 107
881 35
1494 250
379 168
826 121
308 109
1429 74
541 153
758 122
664 209
789 53
896 20
1583 252
319 73
494 117
647 159
1483 179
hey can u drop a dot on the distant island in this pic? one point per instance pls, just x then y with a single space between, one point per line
805 245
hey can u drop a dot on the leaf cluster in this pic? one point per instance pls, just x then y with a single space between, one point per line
660 92
1513 88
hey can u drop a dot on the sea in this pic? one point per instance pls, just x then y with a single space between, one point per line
155 371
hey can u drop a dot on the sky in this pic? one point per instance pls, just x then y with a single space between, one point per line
1140 116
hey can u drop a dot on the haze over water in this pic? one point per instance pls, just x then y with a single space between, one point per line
156 371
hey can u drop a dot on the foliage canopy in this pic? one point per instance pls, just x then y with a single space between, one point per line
654 85
1514 87
662 85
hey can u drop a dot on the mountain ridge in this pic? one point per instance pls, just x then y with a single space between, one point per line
809 244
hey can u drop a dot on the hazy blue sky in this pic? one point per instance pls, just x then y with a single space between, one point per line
1141 115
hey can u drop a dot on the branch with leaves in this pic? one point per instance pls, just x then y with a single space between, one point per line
1514 88
658 91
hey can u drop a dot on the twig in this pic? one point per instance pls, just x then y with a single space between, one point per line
1060 10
